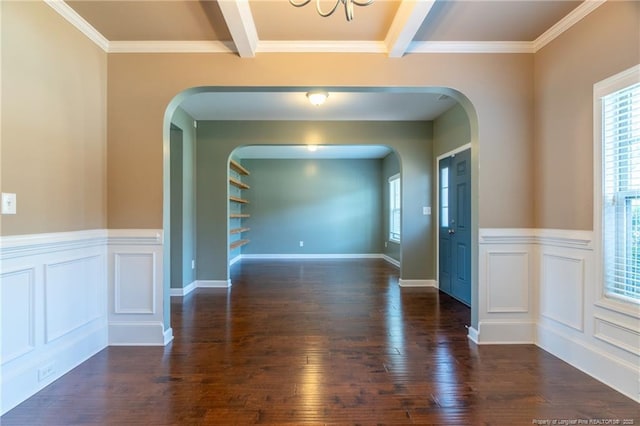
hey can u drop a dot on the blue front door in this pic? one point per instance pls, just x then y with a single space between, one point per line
454 227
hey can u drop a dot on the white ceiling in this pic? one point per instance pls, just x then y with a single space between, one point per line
340 106
321 152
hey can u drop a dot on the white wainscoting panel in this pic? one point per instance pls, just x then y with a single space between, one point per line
70 303
507 281
562 289
18 313
53 292
136 289
618 334
505 287
135 283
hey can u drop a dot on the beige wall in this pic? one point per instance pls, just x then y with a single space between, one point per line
499 86
603 44
53 127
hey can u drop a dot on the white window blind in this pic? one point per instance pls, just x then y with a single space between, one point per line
621 192
394 208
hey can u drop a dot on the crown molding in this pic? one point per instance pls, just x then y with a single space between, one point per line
470 47
314 46
187 46
79 22
575 16
330 46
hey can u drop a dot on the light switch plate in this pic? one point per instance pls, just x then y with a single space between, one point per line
426 211
8 203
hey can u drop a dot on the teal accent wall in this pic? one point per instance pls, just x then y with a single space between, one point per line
390 167
333 206
182 163
412 141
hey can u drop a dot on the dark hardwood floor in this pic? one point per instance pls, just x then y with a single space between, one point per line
322 342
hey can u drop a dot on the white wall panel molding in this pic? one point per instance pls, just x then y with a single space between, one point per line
32 244
562 289
70 303
567 315
506 286
17 297
136 287
618 334
508 279
135 283
53 292
135 237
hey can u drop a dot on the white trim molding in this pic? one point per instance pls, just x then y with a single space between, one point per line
417 283
136 288
564 315
397 42
43 279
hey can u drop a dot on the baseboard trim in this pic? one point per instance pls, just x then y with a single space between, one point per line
213 283
21 380
472 334
312 256
149 333
181 292
613 372
391 260
417 283
505 333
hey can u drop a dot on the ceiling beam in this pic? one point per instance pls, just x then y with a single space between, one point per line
405 25
237 15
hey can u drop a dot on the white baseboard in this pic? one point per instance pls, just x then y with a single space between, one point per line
418 283
505 332
391 260
472 334
23 377
213 283
612 371
235 259
180 292
139 333
312 256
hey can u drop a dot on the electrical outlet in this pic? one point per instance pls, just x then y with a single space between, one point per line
301 243
45 372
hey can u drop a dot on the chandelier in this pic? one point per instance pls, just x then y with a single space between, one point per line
348 6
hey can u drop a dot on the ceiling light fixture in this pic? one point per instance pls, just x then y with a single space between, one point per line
317 97
348 6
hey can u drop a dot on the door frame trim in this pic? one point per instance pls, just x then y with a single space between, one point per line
437 203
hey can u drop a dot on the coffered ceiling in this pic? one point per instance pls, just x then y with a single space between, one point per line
392 27
248 28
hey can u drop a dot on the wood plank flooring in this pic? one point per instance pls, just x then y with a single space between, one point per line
321 342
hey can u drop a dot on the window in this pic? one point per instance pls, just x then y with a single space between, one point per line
444 197
618 113
394 208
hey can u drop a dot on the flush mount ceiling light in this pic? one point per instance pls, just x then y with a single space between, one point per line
348 6
317 97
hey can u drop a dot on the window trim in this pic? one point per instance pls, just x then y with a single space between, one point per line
601 89
390 235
